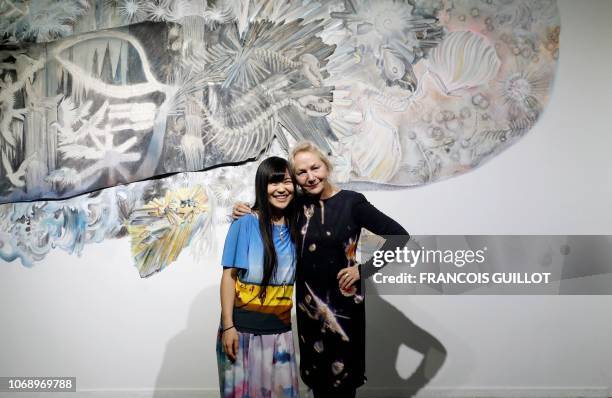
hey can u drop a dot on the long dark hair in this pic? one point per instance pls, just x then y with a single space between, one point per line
272 170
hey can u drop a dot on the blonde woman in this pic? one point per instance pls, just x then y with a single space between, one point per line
329 296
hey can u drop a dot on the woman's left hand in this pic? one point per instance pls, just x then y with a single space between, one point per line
348 276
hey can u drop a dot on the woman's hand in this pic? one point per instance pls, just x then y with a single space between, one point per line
348 276
230 343
229 338
240 209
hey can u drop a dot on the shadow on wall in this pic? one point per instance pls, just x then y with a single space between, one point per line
190 356
387 329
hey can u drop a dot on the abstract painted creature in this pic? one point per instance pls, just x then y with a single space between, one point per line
96 94
161 217
135 110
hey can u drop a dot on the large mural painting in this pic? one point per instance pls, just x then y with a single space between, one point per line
146 119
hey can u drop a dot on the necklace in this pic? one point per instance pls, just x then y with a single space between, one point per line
280 223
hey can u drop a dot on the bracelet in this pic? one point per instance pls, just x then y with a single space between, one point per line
225 330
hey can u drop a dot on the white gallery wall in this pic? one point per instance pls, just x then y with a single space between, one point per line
94 318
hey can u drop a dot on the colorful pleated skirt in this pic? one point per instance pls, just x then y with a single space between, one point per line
265 367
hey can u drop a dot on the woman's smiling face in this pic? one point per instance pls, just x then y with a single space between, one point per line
281 193
311 172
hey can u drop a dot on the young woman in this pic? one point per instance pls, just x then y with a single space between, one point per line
255 351
331 310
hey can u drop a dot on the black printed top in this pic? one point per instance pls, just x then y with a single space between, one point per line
331 322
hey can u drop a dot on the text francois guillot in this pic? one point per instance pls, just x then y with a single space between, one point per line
459 258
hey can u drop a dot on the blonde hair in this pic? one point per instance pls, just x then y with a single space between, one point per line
308 146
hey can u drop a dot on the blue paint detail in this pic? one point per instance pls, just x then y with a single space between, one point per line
282 357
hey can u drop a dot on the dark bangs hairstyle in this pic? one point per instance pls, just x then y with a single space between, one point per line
272 170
